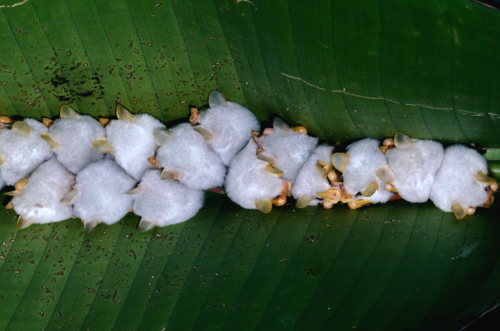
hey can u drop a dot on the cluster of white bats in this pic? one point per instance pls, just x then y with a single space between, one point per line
98 171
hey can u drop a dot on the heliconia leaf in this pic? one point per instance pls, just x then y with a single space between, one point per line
343 70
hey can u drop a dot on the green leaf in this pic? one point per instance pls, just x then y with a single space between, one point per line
345 70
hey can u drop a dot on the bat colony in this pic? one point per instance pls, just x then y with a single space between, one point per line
99 171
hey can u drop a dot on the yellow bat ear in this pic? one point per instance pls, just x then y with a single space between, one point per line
67 112
89 226
322 168
278 123
68 197
47 137
458 210
145 225
340 160
484 178
385 174
272 170
136 190
263 156
23 223
370 189
264 206
303 202
402 141
102 145
21 127
172 175
18 187
357 203
161 136
207 134
216 99
124 114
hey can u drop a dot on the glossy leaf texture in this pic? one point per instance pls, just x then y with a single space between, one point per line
345 70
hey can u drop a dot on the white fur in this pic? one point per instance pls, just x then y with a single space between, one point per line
76 136
247 181
415 168
310 181
290 150
166 202
41 196
187 153
23 153
133 143
455 181
101 188
365 158
232 125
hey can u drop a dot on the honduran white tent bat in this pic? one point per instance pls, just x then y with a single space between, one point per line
185 156
99 194
71 137
164 202
22 149
312 186
253 183
359 166
462 182
411 168
38 199
227 126
130 140
289 147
